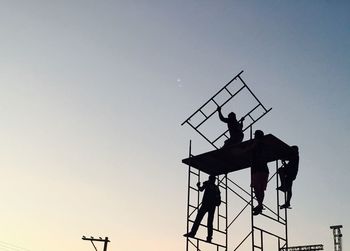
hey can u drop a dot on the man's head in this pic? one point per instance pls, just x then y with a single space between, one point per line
295 149
232 115
258 134
212 178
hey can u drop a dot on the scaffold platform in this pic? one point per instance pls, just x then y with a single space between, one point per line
237 157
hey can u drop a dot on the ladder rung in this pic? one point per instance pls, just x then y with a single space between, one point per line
191 187
257 247
218 230
204 120
203 225
222 216
251 117
203 114
227 137
188 122
215 102
228 91
219 137
194 173
216 244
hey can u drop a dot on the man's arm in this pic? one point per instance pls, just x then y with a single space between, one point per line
241 121
222 118
201 188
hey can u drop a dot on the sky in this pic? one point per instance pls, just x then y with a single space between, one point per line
93 94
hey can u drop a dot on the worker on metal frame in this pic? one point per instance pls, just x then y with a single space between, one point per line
211 199
259 171
234 127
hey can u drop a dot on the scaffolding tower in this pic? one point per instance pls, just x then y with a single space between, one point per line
337 237
224 220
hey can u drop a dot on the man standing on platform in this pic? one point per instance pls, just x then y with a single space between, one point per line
211 199
259 171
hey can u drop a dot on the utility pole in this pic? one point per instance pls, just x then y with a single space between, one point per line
92 239
337 237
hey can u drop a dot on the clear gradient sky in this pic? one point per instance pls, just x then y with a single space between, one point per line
93 94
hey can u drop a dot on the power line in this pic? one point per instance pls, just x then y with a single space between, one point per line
8 246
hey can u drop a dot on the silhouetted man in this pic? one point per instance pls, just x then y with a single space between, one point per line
211 199
288 173
234 127
259 171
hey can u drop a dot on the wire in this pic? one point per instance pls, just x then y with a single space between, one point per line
8 246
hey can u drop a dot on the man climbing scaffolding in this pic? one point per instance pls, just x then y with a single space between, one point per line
234 127
211 199
288 173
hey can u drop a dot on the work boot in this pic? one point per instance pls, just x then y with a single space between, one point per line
257 210
281 188
286 205
189 234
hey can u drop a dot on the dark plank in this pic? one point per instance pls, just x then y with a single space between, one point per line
237 157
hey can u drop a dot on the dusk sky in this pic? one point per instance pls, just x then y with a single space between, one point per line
93 94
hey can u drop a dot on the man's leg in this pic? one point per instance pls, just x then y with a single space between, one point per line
282 174
211 212
288 190
201 212
289 196
259 190
259 194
